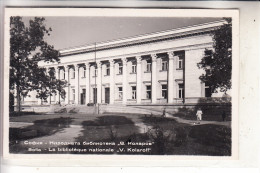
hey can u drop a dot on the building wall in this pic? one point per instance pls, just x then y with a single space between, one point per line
193 46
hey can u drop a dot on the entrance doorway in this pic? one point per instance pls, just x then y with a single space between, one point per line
107 95
83 97
95 95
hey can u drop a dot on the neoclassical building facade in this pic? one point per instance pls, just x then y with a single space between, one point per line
156 68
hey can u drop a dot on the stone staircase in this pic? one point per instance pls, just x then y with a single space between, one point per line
103 109
127 110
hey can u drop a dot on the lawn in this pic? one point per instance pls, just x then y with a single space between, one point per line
154 135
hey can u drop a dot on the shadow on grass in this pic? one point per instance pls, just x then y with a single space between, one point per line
112 129
40 128
171 137
217 138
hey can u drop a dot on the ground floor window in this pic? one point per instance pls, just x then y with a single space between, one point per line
148 91
120 93
164 91
133 92
73 94
181 90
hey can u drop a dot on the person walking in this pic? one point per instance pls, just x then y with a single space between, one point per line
199 115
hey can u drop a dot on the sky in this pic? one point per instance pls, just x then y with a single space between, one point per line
70 32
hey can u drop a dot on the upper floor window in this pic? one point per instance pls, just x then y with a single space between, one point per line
120 68
62 74
181 90
148 66
83 75
164 65
180 62
107 70
148 91
133 67
72 73
164 91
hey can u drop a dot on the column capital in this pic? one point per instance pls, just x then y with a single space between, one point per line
154 57
76 66
112 62
87 65
124 61
56 68
99 63
66 67
138 59
170 55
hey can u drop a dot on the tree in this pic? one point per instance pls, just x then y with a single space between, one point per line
27 49
217 63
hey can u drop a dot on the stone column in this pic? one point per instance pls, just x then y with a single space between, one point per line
87 83
112 82
76 68
67 89
99 80
57 75
171 88
138 79
124 61
154 80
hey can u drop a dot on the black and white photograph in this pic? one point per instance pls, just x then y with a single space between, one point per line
121 84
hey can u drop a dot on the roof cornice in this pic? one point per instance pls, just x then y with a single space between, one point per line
146 38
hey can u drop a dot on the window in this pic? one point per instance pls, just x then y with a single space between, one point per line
62 74
72 73
164 91
108 70
181 91
134 67
207 90
120 93
180 62
164 65
148 91
133 92
83 72
73 94
148 66
120 68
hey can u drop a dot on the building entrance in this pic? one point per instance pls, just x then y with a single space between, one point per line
107 95
83 97
94 95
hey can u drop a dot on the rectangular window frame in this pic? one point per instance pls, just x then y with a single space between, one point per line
120 69
164 91
134 68
133 92
107 70
120 93
180 90
148 92
180 62
164 65
73 73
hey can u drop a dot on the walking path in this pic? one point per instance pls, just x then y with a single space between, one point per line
194 122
